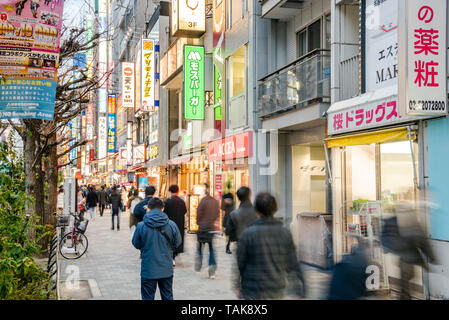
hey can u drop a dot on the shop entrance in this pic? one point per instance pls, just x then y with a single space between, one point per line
372 178
233 178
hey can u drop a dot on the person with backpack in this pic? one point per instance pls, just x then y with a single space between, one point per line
141 208
156 237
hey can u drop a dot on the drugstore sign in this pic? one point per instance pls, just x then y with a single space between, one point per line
193 82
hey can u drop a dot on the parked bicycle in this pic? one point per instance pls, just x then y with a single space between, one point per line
73 245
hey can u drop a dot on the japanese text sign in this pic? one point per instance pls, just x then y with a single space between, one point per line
102 137
371 114
128 84
381 44
112 103
29 53
423 54
111 133
194 82
148 73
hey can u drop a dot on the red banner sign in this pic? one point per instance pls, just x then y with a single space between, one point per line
238 146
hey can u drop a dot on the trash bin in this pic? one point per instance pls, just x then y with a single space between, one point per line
314 234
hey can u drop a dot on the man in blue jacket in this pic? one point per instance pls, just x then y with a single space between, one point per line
156 237
141 208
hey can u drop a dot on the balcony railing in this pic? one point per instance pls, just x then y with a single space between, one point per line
298 84
349 78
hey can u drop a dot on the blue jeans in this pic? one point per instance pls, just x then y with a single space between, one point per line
115 212
92 212
211 252
148 288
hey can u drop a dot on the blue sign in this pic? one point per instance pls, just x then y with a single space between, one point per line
111 132
27 99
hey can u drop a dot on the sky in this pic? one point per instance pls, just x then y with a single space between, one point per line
72 11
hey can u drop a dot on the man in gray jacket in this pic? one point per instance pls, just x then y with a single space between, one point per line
244 216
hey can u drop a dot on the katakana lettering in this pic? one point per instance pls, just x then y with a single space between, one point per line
348 119
359 116
393 113
380 107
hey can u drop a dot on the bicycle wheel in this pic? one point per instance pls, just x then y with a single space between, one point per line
73 248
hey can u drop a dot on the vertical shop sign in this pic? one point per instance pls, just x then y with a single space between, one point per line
29 48
219 18
111 133
147 74
188 17
128 84
102 100
102 137
423 85
194 82
381 44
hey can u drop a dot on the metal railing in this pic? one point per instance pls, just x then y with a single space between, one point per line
349 78
298 84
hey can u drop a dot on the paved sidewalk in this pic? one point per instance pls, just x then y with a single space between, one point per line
113 264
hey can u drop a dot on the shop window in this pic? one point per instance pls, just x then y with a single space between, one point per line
308 179
237 88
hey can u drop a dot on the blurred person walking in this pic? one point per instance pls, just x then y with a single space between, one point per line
91 202
244 216
175 209
227 206
132 202
403 236
103 199
116 204
266 256
208 212
156 237
141 208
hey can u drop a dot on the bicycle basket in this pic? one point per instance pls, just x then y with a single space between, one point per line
82 226
63 220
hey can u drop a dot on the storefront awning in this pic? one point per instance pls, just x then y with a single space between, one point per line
383 136
179 160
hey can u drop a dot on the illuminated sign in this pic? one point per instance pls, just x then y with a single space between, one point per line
188 17
102 100
128 84
194 82
111 103
111 133
148 72
234 147
102 137
152 152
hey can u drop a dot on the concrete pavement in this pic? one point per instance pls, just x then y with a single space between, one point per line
111 266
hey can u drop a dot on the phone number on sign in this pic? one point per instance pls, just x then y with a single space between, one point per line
427 105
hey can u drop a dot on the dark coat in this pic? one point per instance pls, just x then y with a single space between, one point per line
240 219
227 207
103 199
207 213
266 256
157 255
141 209
175 209
115 200
92 199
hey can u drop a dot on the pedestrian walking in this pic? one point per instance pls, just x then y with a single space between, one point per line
91 202
244 216
156 238
116 204
175 209
208 212
141 208
103 199
266 256
227 206
132 202
109 192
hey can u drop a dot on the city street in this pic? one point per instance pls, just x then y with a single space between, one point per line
112 267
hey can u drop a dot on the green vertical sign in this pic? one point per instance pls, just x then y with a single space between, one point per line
218 93
194 82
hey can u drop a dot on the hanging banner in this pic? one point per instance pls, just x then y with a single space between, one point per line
112 101
423 53
102 100
147 74
29 53
194 82
128 84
